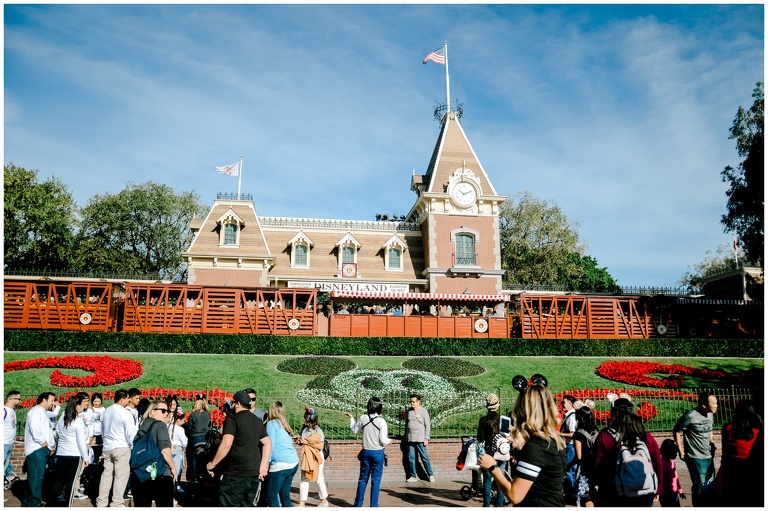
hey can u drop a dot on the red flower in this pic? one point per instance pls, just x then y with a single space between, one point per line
636 373
106 370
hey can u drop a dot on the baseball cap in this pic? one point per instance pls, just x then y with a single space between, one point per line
243 398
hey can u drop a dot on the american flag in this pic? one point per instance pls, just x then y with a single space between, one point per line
437 56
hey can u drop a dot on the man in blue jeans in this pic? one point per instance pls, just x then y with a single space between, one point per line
417 430
38 444
695 441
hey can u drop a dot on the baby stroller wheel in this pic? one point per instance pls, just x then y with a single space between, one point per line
465 492
7 484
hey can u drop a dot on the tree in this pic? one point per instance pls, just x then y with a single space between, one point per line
589 278
39 220
746 193
536 241
720 261
142 229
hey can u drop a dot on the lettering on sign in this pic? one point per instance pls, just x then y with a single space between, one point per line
351 286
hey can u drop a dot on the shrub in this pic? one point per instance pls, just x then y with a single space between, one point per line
71 341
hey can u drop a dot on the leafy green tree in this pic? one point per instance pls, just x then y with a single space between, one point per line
745 204
536 241
39 220
719 261
143 229
589 278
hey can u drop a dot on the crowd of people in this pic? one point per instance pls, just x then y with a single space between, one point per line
539 454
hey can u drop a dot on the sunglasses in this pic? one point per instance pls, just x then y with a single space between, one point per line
164 410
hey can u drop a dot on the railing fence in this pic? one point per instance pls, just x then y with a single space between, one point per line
458 413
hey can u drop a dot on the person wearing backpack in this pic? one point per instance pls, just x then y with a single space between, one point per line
627 465
487 429
583 443
159 486
372 457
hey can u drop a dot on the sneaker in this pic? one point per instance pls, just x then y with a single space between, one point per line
411 480
323 504
81 496
179 489
431 479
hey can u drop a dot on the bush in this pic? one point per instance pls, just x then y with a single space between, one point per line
70 341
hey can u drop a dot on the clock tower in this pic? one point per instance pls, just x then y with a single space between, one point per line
458 210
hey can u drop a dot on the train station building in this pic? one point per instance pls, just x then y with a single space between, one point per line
448 243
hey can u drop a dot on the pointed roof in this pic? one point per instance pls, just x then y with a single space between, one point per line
453 151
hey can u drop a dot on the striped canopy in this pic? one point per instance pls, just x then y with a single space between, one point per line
440 297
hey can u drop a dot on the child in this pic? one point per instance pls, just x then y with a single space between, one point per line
312 461
671 491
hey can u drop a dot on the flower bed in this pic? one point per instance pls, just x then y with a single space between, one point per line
106 370
636 373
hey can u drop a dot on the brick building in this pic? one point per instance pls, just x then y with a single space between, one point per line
447 243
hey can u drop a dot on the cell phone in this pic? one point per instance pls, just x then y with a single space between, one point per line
504 424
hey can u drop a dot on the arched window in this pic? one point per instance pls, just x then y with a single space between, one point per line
300 250
465 249
230 234
300 255
348 254
394 259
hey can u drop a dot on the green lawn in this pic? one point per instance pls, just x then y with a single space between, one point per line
234 372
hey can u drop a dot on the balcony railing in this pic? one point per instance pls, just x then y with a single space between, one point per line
464 259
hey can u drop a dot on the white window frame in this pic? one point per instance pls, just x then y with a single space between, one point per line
300 240
230 218
394 243
347 241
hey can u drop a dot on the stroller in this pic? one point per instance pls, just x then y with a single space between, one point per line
467 460
205 489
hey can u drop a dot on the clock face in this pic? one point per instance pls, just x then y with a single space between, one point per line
464 194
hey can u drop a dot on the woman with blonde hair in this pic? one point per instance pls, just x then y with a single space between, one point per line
159 489
284 462
197 427
538 477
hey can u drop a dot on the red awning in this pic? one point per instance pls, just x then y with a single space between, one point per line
440 297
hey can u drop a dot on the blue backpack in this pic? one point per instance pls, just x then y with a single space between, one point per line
145 453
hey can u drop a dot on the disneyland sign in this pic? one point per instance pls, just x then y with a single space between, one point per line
327 287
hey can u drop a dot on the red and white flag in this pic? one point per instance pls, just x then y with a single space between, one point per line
437 56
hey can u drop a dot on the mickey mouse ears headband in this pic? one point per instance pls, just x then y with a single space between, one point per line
519 382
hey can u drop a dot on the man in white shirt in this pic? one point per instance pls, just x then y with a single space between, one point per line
134 397
118 430
38 444
9 429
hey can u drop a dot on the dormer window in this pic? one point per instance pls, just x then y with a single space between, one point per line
230 225
348 247
300 248
393 254
230 234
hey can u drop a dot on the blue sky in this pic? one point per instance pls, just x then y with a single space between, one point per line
618 114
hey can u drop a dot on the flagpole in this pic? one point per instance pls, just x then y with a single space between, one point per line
239 177
447 80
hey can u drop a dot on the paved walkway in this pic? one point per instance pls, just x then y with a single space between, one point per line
393 494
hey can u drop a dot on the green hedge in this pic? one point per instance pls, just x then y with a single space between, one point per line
68 341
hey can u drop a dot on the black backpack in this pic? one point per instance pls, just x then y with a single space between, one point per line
326 449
